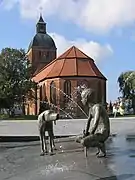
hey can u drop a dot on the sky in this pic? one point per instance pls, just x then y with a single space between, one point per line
103 29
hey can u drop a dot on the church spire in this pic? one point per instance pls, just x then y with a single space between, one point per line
41 25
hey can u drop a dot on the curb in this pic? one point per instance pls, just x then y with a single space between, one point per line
66 120
32 138
130 137
26 138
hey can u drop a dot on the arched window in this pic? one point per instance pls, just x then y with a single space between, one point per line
99 92
43 92
40 93
40 54
53 93
67 89
83 83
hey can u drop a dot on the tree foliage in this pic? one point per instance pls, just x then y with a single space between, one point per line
15 77
127 86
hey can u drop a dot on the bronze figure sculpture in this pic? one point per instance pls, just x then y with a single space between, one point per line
45 123
98 125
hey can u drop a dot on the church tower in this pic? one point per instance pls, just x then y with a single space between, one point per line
42 49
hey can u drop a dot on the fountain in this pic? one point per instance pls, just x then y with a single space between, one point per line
78 89
54 106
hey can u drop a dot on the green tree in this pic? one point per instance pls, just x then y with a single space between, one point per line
15 77
127 86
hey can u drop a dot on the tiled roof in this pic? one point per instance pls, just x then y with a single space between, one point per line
71 63
73 52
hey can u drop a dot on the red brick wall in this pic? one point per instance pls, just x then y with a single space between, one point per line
59 82
35 56
92 83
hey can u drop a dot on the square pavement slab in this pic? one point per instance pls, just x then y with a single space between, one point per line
22 161
68 127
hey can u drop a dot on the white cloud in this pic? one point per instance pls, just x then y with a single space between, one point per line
70 9
93 49
8 4
94 15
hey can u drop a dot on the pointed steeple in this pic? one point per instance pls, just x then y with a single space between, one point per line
41 19
41 25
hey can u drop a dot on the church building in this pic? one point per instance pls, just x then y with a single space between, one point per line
57 78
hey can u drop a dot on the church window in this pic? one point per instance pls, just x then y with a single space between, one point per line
53 93
40 92
83 83
44 91
67 89
40 54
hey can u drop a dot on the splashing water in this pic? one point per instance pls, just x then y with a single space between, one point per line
61 148
57 168
72 101
75 92
59 108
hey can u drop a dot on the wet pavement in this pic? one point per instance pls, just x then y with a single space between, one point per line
22 161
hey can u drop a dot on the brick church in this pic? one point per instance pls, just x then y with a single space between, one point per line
55 76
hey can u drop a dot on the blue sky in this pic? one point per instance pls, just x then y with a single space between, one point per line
112 44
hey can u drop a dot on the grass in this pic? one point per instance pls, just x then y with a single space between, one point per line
25 117
3 116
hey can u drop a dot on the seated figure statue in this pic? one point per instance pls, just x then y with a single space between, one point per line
98 126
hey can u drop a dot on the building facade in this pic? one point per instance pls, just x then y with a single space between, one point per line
42 49
58 78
